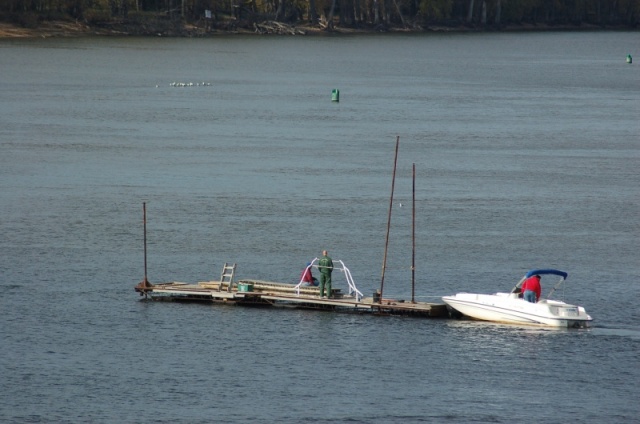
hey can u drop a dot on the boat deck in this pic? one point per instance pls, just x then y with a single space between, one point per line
274 294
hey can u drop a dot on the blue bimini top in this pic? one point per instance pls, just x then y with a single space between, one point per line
546 271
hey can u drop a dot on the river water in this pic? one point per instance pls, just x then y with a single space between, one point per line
526 151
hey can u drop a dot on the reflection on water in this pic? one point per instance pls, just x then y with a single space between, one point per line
617 332
494 327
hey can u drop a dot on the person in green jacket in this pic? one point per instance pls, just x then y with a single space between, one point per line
325 265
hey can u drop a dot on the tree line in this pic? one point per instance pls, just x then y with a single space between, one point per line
328 13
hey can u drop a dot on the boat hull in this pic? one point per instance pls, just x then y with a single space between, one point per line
508 308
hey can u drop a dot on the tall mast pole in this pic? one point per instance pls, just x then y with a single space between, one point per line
413 238
144 220
386 244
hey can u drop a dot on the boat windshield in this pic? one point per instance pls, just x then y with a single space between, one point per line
563 276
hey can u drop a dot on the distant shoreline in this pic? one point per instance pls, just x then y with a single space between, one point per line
50 29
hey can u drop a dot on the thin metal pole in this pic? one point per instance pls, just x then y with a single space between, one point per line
144 220
413 239
386 244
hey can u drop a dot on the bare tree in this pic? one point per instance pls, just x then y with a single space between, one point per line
313 13
395 2
280 10
330 17
470 13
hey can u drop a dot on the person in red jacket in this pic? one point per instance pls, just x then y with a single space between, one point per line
531 289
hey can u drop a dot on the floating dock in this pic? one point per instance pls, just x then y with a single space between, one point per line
274 294
267 293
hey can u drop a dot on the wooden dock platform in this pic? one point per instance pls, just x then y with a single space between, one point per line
274 294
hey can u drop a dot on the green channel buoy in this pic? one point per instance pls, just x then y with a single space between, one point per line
629 59
335 95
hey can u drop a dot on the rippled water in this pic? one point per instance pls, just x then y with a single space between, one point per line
526 149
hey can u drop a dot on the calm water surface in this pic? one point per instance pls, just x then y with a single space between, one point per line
527 155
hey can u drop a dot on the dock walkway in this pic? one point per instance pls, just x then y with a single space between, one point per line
275 294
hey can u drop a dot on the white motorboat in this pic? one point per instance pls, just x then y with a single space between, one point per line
511 308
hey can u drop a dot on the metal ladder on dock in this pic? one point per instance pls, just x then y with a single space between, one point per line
228 272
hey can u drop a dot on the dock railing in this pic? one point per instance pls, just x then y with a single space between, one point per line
353 290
